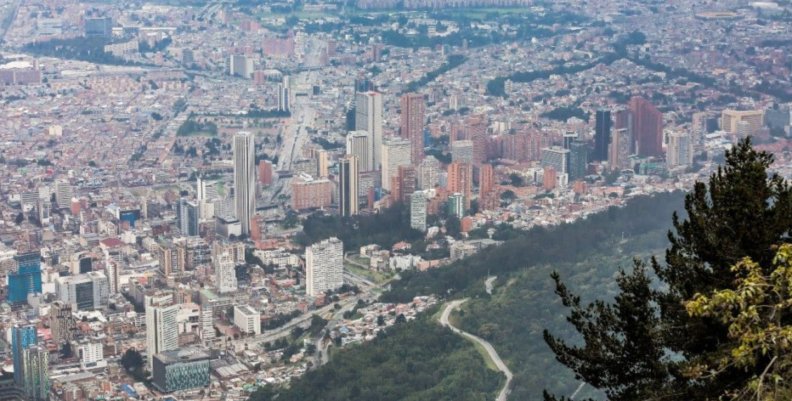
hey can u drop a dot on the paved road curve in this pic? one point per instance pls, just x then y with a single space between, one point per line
504 393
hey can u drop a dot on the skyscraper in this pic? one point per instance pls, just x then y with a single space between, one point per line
162 329
357 144
244 179
324 266
412 123
403 184
647 127
395 153
428 173
368 117
602 135
486 179
680 150
187 217
578 160
27 277
61 321
35 365
348 185
418 211
225 273
460 180
456 205
22 338
557 158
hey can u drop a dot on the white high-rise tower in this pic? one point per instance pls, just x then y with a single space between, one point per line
225 273
244 179
162 329
368 117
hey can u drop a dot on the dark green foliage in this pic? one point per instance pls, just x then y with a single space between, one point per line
192 127
454 61
424 362
564 243
743 211
386 228
84 49
565 113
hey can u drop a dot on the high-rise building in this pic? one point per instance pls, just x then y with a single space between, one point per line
486 179
98 27
456 205
647 127
368 117
283 98
578 160
22 338
619 153
413 110
64 193
162 328
324 266
323 163
460 180
61 321
247 319
557 158
225 273
35 365
310 193
569 137
357 144
418 210
395 153
680 150
602 135
403 184
88 291
187 217
265 172
348 185
240 65
244 179
207 322
428 173
742 122
26 279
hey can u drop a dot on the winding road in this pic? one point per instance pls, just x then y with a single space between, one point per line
504 393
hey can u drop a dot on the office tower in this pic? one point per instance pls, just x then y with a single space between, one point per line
428 173
742 122
460 180
476 131
418 211
63 194
323 162
395 153
187 217
284 105
22 338
113 273
35 365
680 150
180 370
619 152
486 179
91 354
311 193
324 266
26 279
557 158
357 144
578 160
602 135
647 127
348 186
89 291
244 179
225 273
207 322
456 205
569 137
240 65
265 172
247 319
162 329
368 117
462 151
412 123
403 184
61 321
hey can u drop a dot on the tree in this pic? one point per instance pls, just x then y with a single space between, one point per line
19 218
742 212
132 361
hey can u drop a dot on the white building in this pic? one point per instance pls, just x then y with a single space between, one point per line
428 175
162 328
357 144
91 355
244 179
680 150
418 211
240 65
324 266
225 273
368 117
395 152
84 291
247 319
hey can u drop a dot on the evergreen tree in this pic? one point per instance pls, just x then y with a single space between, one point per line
742 212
